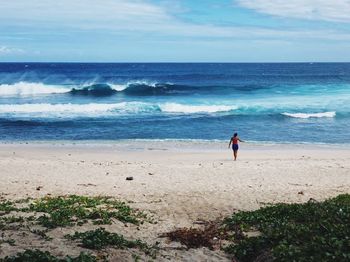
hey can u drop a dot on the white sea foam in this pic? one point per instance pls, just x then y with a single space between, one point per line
312 115
192 109
76 109
56 108
97 109
31 88
118 87
122 87
25 88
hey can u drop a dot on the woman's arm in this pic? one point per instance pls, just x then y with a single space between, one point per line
229 145
240 140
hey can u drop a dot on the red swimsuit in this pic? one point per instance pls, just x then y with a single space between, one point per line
234 143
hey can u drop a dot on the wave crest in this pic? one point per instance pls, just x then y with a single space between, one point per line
96 109
139 88
25 88
193 109
95 90
310 115
131 88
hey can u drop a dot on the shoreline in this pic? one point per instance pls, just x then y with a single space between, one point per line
191 145
177 161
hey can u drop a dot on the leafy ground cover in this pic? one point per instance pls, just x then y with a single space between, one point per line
44 256
313 231
63 211
33 218
70 210
100 238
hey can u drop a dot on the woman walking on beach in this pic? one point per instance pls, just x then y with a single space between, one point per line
234 141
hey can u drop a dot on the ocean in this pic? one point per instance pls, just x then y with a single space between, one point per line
263 102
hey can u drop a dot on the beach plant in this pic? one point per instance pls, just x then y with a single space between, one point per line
45 256
100 238
6 207
11 222
9 241
313 231
76 210
40 216
12 219
41 233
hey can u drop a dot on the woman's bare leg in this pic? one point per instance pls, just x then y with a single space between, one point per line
235 154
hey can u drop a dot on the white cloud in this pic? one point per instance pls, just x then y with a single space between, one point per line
5 50
139 16
82 11
326 10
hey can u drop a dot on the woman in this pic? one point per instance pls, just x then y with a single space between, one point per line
234 141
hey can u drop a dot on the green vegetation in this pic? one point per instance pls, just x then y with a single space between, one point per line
12 219
69 211
41 233
314 231
77 210
6 207
100 238
9 241
11 222
44 256
38 217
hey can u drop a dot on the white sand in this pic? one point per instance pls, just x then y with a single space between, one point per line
178 182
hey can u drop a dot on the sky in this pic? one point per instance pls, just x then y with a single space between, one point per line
174 31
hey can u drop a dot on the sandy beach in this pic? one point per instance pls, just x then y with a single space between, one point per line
179 183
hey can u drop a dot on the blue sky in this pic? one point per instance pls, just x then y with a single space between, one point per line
175 31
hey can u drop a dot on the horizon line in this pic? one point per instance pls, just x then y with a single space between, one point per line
170 62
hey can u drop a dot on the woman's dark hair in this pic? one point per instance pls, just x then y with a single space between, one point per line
235 134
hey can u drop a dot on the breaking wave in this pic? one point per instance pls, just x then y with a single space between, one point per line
131 88
129 108
96 109
193 109
311 115
24 88
140 88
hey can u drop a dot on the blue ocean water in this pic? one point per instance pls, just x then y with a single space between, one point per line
274 102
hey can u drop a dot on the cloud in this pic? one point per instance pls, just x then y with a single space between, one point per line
5 50
323 10
142 18
82 11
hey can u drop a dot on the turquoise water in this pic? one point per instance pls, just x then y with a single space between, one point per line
288 102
